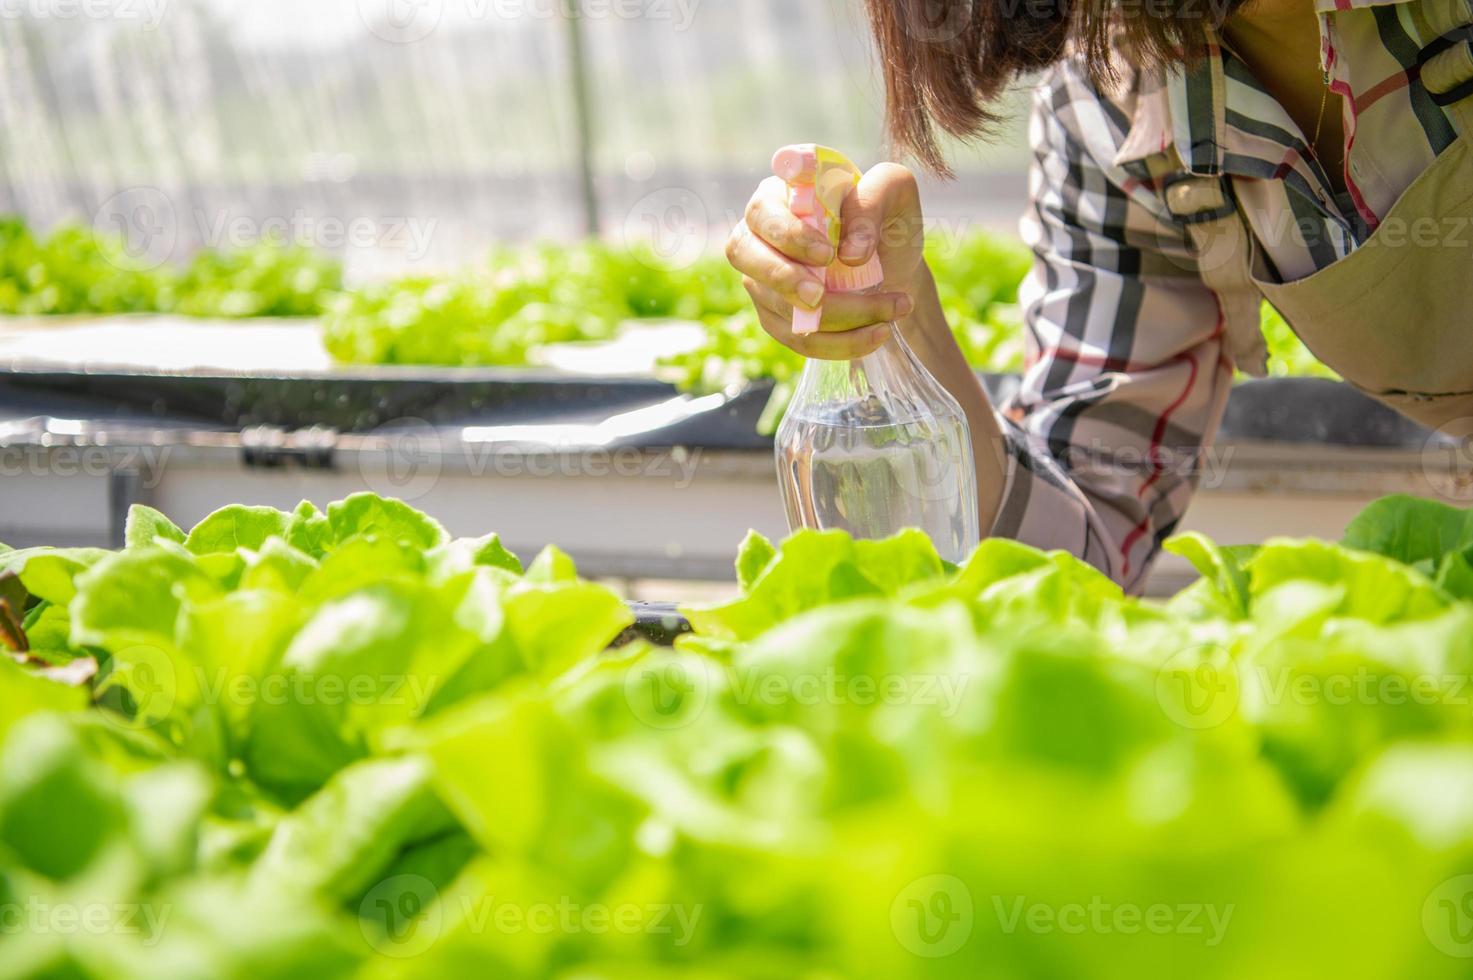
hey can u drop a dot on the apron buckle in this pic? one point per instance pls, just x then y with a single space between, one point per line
1451 94
1195 199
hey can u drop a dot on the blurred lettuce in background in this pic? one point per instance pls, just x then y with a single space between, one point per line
501 310
506 309
76 270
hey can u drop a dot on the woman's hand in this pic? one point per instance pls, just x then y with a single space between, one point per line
782 263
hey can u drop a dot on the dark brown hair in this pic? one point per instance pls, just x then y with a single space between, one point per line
946 61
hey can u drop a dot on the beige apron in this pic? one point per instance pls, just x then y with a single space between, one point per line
1395 316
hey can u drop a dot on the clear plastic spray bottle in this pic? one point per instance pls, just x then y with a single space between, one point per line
874 445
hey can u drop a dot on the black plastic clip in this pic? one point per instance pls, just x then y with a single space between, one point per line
272 447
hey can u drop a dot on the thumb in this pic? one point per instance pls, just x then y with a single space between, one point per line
885 192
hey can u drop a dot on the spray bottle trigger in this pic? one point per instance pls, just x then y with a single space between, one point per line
805 322
803 201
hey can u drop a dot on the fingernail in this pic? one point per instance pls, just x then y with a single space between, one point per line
903 306
810 292
821 254
853 249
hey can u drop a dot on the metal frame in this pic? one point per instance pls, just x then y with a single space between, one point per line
632 478
650 513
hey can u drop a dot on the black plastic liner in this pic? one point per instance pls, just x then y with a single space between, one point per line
1285 410
1276 410
658 622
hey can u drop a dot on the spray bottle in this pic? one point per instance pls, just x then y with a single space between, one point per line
874 445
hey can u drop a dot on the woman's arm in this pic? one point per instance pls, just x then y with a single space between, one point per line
930 336
1127 372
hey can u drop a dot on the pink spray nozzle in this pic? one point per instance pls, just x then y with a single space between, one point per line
795 164
818 180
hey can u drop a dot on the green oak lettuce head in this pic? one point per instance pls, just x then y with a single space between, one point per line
337 743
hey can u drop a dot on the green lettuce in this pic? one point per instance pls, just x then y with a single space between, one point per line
339 743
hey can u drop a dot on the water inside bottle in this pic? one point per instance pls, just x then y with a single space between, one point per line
874 463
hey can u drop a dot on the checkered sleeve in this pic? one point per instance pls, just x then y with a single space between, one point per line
1127 374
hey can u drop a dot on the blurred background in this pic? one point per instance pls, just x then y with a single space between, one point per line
505 221
405 135
439 169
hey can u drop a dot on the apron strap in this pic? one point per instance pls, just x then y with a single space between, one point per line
1446 69
1224 251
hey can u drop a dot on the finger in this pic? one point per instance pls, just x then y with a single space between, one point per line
855 311
766 299
776 318
868 216
770 219
795 282
825 346
841 311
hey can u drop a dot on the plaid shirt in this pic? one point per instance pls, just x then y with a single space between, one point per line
1127 370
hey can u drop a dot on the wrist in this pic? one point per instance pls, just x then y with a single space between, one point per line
926 323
